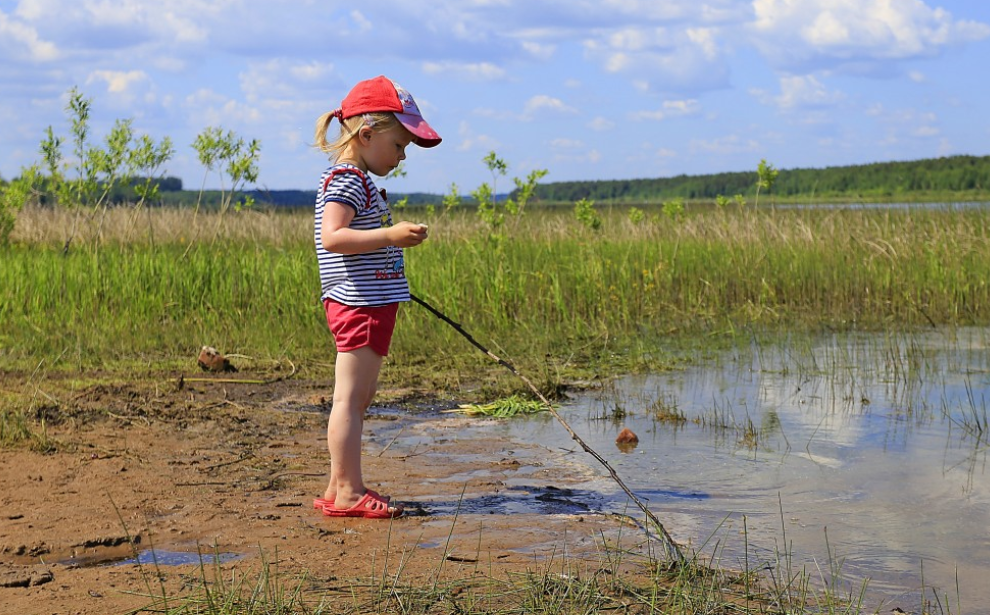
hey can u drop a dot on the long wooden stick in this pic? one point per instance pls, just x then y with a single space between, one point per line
671 548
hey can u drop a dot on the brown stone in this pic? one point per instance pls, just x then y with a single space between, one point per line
626 436
211 360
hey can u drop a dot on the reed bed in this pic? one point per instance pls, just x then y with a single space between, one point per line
154 284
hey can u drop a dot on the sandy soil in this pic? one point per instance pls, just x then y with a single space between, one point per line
234 467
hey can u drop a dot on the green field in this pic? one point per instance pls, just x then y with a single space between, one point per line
152 287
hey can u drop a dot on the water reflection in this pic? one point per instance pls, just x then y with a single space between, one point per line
870 449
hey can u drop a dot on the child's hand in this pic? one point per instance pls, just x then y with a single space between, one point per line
407 234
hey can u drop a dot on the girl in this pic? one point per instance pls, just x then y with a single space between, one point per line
362 270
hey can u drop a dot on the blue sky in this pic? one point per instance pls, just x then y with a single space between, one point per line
587 89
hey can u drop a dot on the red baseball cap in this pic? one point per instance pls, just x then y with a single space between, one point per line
382 94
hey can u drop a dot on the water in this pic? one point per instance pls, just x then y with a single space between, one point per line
123 555
154 557
863 450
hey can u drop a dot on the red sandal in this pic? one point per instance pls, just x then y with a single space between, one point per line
370 506
321 504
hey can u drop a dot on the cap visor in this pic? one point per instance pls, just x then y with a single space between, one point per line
423 134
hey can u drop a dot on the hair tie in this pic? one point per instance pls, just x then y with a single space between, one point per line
339 114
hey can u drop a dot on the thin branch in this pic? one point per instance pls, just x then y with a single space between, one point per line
673 551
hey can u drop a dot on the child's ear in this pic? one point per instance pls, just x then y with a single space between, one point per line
364 134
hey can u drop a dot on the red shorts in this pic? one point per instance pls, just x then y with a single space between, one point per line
355 327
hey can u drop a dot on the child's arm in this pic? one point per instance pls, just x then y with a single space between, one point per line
340 238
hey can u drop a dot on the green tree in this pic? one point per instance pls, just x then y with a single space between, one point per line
14 195
673 208
584 211
233 159
92 175
524 191
486 196
452 199
766 176
146 160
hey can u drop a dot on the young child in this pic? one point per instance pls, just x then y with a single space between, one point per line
362 270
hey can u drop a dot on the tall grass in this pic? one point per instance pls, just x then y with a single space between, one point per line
160 283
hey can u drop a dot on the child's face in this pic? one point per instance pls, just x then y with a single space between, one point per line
385 150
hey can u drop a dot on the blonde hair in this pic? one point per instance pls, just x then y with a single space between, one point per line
379 122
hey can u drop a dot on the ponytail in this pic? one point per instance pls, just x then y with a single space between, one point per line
379 122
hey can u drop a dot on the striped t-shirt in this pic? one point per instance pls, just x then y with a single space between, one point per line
367 279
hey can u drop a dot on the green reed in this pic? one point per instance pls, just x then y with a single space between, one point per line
156 286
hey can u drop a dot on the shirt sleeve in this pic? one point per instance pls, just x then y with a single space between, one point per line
349 189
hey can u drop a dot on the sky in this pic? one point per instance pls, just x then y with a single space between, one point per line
586 89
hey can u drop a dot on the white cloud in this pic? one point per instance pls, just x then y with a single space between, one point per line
363 25
206 107
563 143
797 91
18 37
660 58
833 32
669 109
282 79
704 40
540 51
120 83
732 144
601 124
542 102
574 152
586 69
480 71
473 142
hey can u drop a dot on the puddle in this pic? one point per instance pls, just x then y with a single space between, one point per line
157 557
862 449
123 555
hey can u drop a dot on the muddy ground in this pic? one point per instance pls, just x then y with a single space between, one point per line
231 467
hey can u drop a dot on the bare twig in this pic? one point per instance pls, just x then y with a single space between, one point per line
673 551
228 463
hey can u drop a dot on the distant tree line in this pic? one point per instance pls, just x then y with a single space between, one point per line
954 175
966 175
960 176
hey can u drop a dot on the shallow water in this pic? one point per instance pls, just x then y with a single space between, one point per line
157 557
859 450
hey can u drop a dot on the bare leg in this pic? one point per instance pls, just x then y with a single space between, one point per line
356 381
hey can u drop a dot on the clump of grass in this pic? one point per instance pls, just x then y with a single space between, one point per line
750 435
16 429
506 407
664 409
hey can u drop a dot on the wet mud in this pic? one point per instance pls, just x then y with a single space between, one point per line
167 477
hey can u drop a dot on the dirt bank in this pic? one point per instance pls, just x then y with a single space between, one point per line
233 467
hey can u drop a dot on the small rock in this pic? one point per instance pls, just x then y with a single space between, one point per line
211 360
626 436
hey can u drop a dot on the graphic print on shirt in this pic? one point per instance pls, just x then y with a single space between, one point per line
395 263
